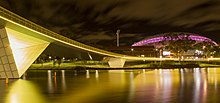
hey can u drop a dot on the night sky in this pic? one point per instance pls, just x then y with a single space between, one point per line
95 22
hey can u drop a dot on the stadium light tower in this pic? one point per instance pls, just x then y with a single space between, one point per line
117 33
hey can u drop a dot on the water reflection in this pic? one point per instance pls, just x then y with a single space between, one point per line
63 80
213 77
50 83
96 74
53 81
168 83
197 85
23 91
75 72
131 87
87 74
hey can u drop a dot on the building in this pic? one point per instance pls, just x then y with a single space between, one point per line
178 44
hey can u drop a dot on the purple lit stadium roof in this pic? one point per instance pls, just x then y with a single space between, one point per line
162 37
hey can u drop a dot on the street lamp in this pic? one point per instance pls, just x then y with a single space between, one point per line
132 51
117 34
161 54
50 58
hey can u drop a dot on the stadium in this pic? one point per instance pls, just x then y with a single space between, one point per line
158 40
180 43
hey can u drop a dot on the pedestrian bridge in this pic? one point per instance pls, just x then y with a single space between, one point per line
22 41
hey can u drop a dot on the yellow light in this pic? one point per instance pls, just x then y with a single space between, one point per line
25 49
23 91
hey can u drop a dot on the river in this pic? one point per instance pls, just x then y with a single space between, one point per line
197 85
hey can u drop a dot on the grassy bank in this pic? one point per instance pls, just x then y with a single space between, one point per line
105 66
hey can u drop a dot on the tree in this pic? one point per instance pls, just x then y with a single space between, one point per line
207 48
178 43
41 59
216 51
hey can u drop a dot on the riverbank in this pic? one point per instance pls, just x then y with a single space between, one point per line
104 66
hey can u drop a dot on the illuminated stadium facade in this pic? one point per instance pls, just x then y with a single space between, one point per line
157 40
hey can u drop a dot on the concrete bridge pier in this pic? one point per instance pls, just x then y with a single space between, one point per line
116 62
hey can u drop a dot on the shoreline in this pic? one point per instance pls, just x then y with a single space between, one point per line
125 68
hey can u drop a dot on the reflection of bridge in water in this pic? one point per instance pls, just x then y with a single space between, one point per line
22 41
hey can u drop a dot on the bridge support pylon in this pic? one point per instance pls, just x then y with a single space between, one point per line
18 51
116 62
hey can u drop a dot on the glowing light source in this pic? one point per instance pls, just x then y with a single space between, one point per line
166 53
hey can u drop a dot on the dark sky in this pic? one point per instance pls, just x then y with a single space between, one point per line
95 22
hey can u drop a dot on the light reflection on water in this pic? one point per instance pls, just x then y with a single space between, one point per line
23 91
116 86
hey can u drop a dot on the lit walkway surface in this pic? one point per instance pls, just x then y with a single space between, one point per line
22 41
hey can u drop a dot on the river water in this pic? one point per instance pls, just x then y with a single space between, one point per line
197 85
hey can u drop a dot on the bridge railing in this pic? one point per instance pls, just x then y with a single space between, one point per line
6 14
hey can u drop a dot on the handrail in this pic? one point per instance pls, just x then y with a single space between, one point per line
24 22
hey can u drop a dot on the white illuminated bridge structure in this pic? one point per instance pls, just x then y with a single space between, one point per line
22 41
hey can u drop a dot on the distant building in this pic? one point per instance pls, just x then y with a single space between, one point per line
163 39
174 44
